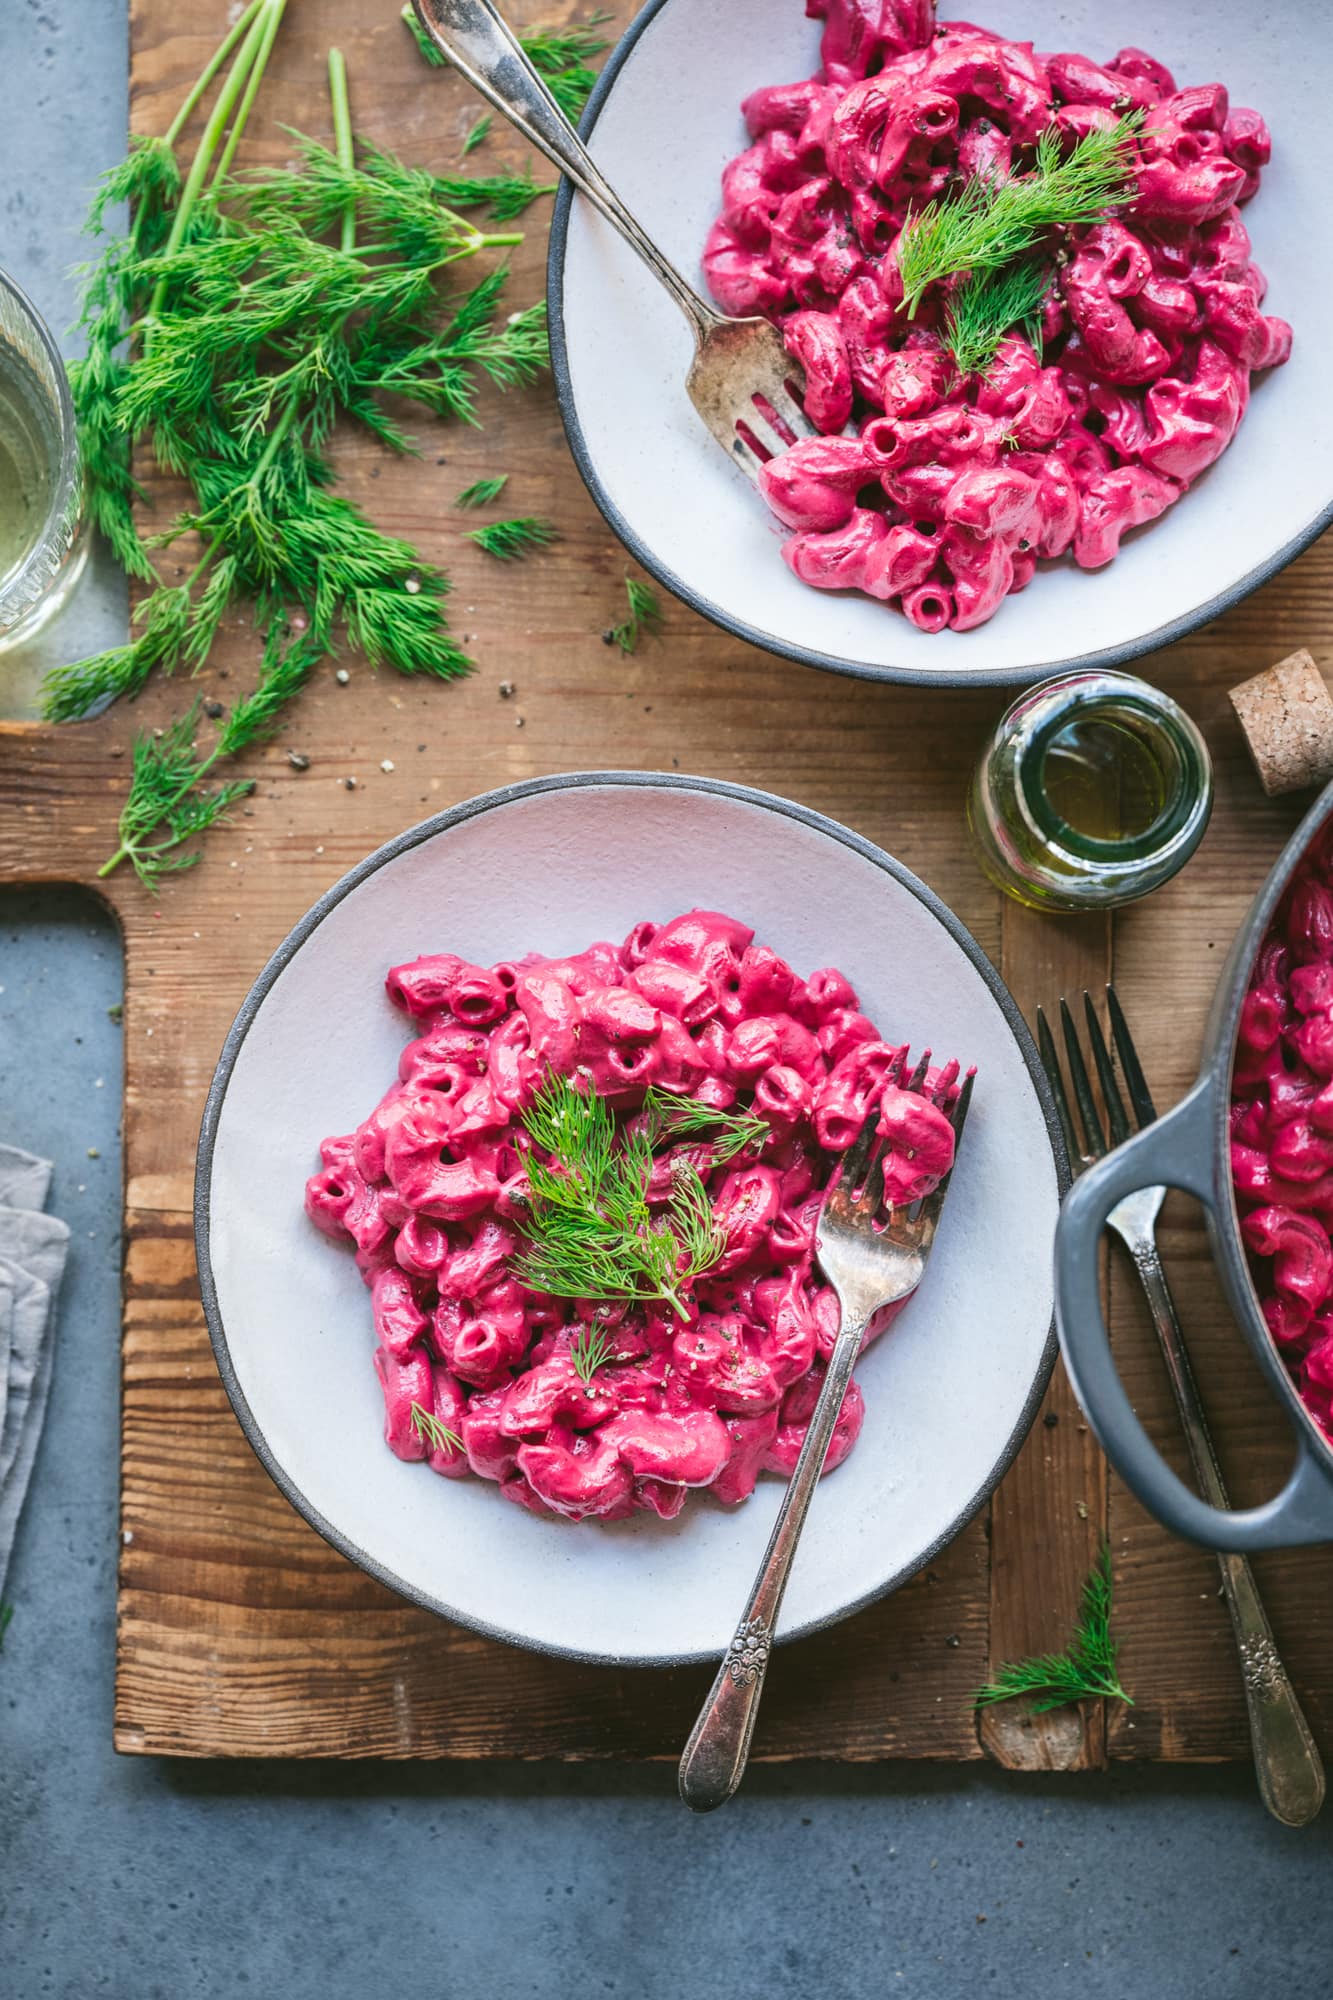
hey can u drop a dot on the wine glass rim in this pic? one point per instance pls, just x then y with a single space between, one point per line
68 475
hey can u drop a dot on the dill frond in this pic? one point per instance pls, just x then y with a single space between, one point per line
429 1428
560 55
425 46
482 491
986 306
163 800
476 133
239 320
645 615
506 540
1086 1669
995 218
590 1349
591 1230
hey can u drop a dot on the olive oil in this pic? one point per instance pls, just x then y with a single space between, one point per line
29 460
1104 778
1094 790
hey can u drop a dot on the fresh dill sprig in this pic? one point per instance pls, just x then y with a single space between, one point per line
590 1227
666 1116
986 306
560 55
1087 1668
239 321
6 1614
433 55
164 808
645 615
476 133
994 218
590 1349
482 491
432 1432
507 539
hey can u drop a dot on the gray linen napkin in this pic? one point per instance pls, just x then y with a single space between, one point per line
33 1248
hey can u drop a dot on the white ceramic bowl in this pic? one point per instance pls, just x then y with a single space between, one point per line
549 866
663 122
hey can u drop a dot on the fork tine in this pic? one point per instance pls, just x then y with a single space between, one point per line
872 1200
764 432
1101 1055
786 407
918 1076
1050 1062
1087 1110
934 1201
857 1156
747 458
1135 1082
957 1118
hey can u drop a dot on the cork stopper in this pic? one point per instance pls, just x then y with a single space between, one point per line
1286 713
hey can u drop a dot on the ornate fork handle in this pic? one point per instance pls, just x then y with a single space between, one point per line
1287 1764
714 1759
480 45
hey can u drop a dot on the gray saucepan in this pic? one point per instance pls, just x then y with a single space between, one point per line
1189 1148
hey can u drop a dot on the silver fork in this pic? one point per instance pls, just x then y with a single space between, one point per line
867 1268
1286 1761
738 379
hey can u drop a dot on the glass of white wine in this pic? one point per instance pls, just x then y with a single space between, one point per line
43 539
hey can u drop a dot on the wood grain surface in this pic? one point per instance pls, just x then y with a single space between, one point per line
240 1631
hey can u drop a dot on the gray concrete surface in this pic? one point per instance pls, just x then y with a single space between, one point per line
154 1881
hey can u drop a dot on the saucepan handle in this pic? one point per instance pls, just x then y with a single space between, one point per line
1176 1151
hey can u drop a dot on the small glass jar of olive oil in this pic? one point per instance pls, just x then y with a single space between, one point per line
1093 791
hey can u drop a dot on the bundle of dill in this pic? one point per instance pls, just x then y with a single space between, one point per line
235 323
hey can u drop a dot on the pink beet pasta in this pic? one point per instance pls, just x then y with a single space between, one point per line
433 1188
941 492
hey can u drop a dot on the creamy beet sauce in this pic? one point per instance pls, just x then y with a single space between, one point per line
1282 1129
430 1190
940 494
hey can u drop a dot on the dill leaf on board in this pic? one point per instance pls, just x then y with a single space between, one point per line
645 615
482 491
506 540
1087 1668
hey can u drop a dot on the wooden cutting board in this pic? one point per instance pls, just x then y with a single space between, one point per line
240 1632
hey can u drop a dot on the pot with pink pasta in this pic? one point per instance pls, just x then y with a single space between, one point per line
1253 1139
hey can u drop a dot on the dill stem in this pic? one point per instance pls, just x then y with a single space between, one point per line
276 10
203 158
342 141
210 70
128 848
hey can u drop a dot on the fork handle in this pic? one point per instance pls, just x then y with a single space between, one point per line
481 46
714 1759
1287 1764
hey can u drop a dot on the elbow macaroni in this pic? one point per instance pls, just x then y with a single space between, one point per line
430 1191
1282 1129
949 491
